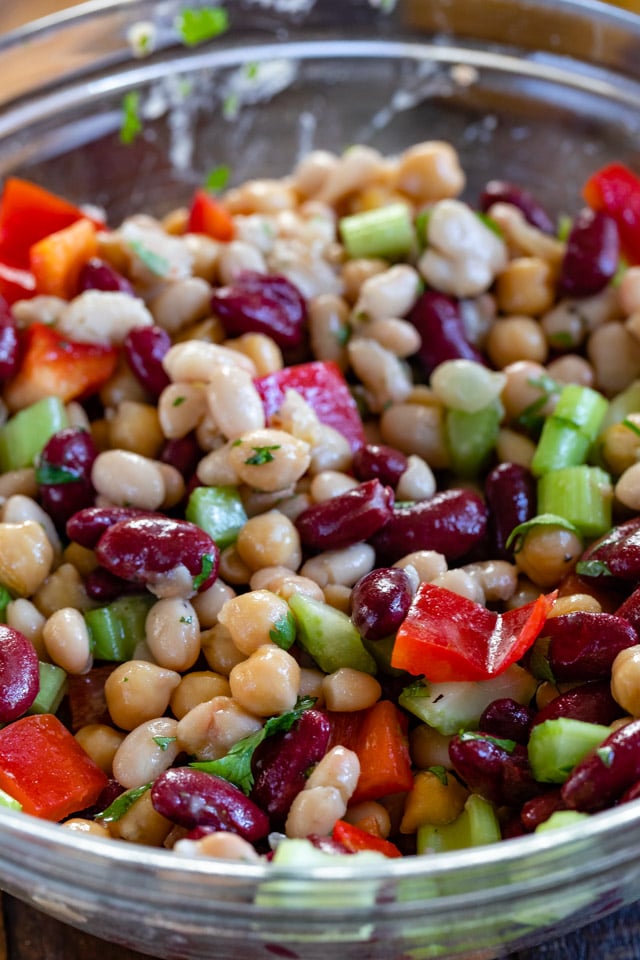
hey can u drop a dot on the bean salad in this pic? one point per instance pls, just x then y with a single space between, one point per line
320 511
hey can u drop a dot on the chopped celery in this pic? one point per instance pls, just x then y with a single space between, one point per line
583 407
476 826
8 802
384 232
556 746
116 629
581 494
53 684
218 511
622 405
329 636
23 437
561 818
471 438
569 432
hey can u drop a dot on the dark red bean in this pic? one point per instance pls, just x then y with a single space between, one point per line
602 777
583 645
183 453
85 697
97 274
153 550
504 191
103 586
87 526
629 609
590 702
499 775
453 522
108 794
262 303
192 798
9 342
507 719
380 601
282 764
348 518
144 348
377 461
19 674
438 319
591 257
510 494
632 793
64 474
537 810
615 556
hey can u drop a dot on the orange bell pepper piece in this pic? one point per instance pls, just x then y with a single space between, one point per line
208 215
56 260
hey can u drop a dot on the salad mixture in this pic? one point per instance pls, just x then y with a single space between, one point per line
320 510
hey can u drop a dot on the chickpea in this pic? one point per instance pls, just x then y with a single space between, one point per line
625 679
547 554
267 682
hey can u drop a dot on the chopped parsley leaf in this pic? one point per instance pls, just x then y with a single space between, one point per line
122 804
131 124
218 178
205 571
261 455
164 742
47 473
150 258
197 24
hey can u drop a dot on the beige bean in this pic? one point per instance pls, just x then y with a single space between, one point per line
522 237
573 602
331 483
620 444
460 582
311 685
430 171
135 426
338 595
26 557
312 171
268 540
347 690
614 354
19 481
174 485
398 336
142 824
563 326
195 688
417 482
498 579
260 196
389 294
127 479
339 768
216 469
233 401
527 385
356 272
416 428
122 385
385 378
261 349
429 747
172 634
627 489
331 451
91 827
23 615
39 309
428 564
267 682
137 691
371 813
526 286
180 303
209 602
328 319
181 407
204 252
66 637
193 360
315 811
232 567
625 679
629 291
18 509
101 742
253 618
99 316
222 845
356 168
344 566
285 584
269 459
236 257
219 650
210 729
547 554
514 447
571 368
516 338
62 588
146 752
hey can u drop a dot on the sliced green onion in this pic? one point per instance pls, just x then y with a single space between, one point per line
386 232
620 406
219 511
582 495
471 438
557 746
518 534
23 437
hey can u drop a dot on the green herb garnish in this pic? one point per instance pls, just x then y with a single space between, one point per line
217 179
48 473
164 742
441 773
205 571
122 804
519 534
197 24
157 264
131 124
592 568
261 455
508 745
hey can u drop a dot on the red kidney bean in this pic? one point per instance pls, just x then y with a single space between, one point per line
453 522
9 342
501 776
85 697
602 777
537 810
583 645
591 257
108 794
144 348
19 674
633 793
380 601
282 764
103 586
590 702
97 274
87 526
439 321
503 191
183 453
260 303
348 518
64 474
507 719
629 609
192 798
616 555
510 494
148 550
377 461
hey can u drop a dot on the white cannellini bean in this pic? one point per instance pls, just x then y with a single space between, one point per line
102 316
195 359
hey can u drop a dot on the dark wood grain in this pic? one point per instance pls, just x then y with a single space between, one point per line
30 935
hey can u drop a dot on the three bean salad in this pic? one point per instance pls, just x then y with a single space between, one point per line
320 511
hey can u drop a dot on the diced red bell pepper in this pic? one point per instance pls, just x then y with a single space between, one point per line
28 213
54 366
209 216
615 190
44 767
355 839
448 637
16 284
378 736
324 388
56 260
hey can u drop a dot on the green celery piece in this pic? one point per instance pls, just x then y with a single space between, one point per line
329 636
218 511
561 818
25 434
53 685
561 444
471 438
384 232
5 600
556 746
116 629
458 705
8 802
583 407
622 405
475 826
581 494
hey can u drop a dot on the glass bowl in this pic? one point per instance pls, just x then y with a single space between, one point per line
542 93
